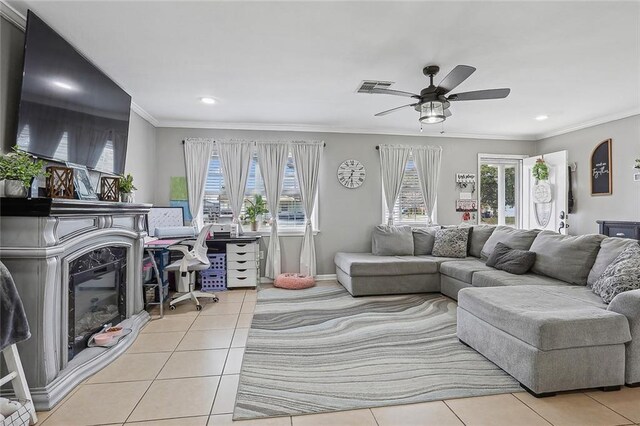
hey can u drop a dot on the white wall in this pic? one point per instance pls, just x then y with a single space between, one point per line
141 158
346 216
624 203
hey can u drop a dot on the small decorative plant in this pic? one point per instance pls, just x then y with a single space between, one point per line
20 167
540 170
637 166
255 208
125 184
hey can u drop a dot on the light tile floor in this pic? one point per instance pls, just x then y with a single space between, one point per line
184 370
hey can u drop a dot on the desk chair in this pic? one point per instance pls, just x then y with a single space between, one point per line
193 260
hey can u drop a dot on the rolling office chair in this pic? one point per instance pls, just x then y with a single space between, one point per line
192 261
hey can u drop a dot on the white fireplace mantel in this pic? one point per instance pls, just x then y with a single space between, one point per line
38 239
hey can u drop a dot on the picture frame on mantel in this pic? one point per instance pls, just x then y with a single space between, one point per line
602 169
82 182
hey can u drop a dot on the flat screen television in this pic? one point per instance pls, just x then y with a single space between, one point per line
70 111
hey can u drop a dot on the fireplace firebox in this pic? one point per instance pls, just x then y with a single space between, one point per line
97 294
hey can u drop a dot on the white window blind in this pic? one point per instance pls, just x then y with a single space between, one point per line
410 207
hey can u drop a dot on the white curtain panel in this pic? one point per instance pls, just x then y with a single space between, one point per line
197 153
272 159
427 161
393 160
306 156
235 159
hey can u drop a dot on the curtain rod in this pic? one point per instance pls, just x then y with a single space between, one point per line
323 143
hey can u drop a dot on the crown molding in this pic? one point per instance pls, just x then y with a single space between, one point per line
591 123
144 114
328 129
12 15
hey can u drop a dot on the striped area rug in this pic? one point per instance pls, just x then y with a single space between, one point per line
320 350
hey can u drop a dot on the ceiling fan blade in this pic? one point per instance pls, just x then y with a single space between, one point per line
389 111
447 113
454 78
393 92
480 94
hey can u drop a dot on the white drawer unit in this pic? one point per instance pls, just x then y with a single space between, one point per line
243 264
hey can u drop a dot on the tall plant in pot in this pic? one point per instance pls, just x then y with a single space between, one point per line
125 184
254 211
18 170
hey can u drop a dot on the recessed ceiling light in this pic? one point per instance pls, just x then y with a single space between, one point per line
208 100
542 117
63 85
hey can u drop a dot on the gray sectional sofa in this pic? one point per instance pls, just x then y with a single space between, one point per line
546 328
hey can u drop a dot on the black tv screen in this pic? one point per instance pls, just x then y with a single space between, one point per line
70 111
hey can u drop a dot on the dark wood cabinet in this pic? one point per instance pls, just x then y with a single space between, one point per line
620 229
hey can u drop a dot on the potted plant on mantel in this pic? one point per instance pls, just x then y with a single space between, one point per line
18 170
126 188
255 210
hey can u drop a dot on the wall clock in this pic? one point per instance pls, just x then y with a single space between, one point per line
351 174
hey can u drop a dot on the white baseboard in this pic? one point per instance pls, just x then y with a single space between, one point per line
323 277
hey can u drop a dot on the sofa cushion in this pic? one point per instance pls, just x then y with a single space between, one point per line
496 278
565 257
511 260
451 242
423 239
367 264
515 238
610 248
622 275
478 236
392 241
463 270
547 318
441 260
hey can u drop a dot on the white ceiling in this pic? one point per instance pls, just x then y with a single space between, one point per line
297 65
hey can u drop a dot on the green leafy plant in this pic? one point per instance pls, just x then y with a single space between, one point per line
255 208
18 165
540 170
126 183
637 163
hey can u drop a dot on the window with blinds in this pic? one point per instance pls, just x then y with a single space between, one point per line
410 208
291 215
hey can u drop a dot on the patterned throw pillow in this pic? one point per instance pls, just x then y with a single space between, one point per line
451 242
623 274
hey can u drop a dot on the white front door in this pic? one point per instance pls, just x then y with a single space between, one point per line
545 204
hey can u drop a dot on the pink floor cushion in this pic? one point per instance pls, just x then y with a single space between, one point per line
294 281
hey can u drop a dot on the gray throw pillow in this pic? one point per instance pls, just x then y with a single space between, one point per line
610 248
423 239
392 241
567 258
520 239
620 276
511 260
451 242
478 236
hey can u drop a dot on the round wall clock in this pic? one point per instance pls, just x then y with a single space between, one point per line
351 174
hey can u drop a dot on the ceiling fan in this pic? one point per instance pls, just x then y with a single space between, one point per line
432 102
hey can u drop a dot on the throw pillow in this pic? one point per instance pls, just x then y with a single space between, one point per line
392 241
423 239
514 261
610 248
515 238
451 242
622 275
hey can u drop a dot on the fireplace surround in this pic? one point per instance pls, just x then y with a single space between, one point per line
50 244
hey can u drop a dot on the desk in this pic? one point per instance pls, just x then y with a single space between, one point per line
243 258
159 256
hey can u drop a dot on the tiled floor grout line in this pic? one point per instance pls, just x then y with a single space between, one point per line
374 417
606 406
532 409
453 411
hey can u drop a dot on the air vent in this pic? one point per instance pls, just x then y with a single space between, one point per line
368 85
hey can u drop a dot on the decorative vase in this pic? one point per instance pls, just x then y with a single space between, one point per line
254 226
127 197
15 189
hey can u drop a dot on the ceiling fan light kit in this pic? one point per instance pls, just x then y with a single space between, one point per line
432 102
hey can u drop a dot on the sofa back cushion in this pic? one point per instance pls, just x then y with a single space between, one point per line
565 257
511 260
478 236
520 239
392 241
423 239
451 242
610 248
